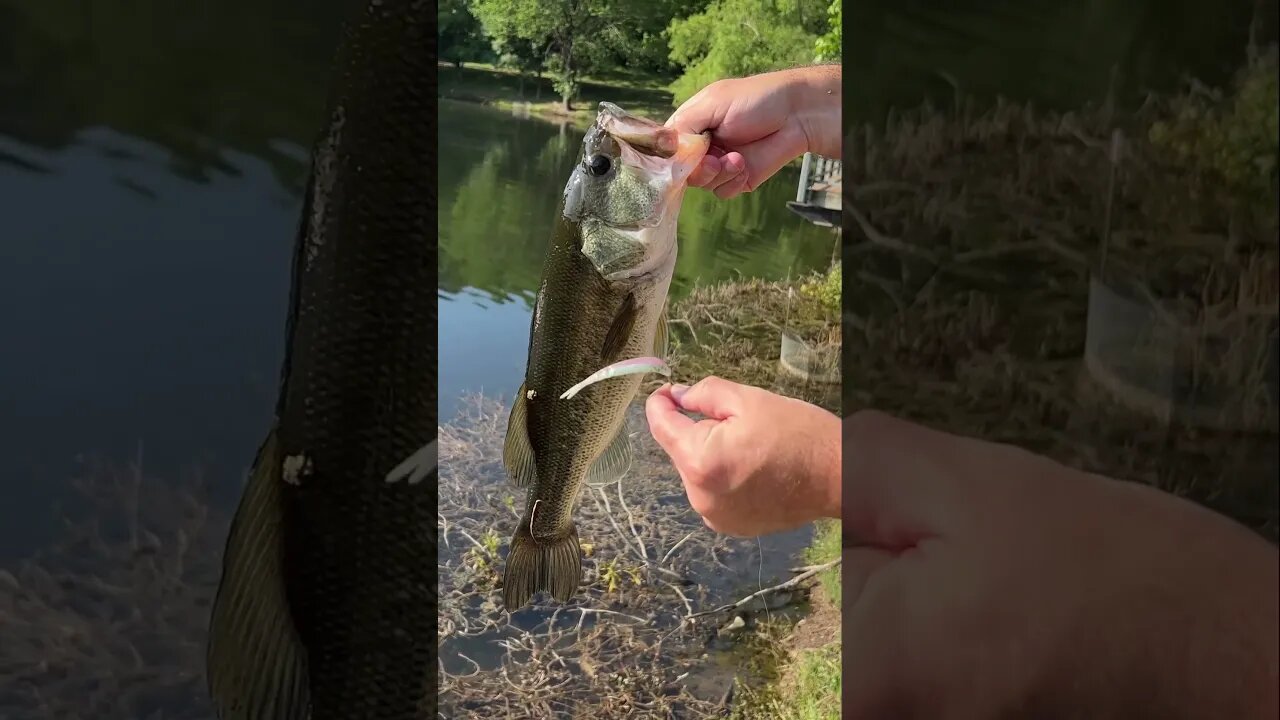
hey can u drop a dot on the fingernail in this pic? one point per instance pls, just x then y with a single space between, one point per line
678 391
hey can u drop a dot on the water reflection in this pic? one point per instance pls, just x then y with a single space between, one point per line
151 157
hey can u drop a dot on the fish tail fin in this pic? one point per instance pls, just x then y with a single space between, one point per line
553 564
256 665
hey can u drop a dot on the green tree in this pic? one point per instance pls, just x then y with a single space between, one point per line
648 50
521 54
828 46
582 35
732 38
459 35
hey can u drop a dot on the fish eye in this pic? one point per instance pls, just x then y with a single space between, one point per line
598 165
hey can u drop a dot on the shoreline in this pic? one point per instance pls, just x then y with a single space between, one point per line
795 663
508 90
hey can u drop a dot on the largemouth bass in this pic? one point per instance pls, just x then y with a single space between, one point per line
327 602
602 300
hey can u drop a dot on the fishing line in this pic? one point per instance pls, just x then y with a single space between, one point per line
760 579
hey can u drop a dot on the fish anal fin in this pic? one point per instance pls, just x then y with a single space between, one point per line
614 462
615 340
554 565
256 663
517 452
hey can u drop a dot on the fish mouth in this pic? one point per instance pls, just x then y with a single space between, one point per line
651 145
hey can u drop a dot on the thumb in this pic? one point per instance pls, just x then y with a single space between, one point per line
703 111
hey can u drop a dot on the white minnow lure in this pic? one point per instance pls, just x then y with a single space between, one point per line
417 466
625 367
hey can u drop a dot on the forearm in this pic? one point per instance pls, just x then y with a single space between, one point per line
1233 664
1198 638
828 479
818 108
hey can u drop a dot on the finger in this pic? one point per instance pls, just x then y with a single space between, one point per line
903 483
678 434
700 112
857 566
732 167
714 397
764 157
736 185
872 632
707 171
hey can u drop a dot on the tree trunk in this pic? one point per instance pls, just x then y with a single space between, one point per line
566 68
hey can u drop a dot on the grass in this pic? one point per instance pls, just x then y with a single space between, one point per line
825 548
505 88
733 329
815 694
800 662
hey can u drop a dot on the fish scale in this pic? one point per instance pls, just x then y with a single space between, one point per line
326 607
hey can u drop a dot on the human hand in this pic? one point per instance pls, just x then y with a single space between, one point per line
760 123
759 462
997 583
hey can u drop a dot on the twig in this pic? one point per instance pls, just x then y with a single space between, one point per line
473 541
689 325
688 607
793 582
631 522
676 546
608 512
879 238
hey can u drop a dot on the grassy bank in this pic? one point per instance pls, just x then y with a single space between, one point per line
801 660
529 94
1089 285
734 330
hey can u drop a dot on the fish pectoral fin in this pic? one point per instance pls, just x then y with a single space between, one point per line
256 663
615 340
662 336
517 452
614 462
554 565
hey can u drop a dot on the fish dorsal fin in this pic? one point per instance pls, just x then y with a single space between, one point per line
615 461
661 336
615 341
256 663
517 452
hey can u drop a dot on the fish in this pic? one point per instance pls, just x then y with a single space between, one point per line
326 603
601 302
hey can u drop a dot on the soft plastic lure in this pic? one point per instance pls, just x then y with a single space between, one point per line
417 466
635 366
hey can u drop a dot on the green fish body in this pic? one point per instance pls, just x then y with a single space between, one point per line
601 300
